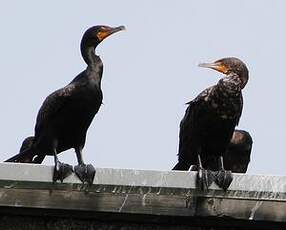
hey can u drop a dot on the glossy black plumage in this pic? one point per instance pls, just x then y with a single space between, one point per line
210 119
237 155
32 157
27 143
66 114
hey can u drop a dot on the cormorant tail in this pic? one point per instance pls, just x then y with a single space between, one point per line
25 156
182 166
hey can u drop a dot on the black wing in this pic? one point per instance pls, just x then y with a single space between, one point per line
188 138
53 105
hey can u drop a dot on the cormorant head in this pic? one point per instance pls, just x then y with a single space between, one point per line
228 66
96 34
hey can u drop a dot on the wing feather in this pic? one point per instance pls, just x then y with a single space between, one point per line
52 106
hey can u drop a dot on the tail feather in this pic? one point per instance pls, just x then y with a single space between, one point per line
182 166
26 153
25 156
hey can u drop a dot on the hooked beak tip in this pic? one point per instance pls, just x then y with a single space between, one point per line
216 66
121 28
206 65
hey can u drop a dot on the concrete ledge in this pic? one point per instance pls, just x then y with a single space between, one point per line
150 194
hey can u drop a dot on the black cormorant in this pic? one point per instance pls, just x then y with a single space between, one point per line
66 114
237 155
209 123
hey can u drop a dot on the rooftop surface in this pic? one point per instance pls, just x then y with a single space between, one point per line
141 195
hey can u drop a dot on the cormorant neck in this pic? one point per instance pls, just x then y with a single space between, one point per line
93 61
232 83
88 54
239 79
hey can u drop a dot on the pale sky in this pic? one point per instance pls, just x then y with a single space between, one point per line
150 71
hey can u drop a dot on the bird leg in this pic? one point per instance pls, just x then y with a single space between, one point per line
223 177
84 172
204 177
61 170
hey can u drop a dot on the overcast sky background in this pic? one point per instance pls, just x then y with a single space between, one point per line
150 71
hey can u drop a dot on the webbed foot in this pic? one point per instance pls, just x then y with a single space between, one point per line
223 179
85 173
61 171
204 179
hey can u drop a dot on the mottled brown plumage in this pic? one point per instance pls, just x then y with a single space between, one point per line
210 119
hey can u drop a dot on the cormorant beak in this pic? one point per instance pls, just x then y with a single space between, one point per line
107 31
218 66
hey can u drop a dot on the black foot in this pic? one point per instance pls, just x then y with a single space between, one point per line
204 179
223 179
61 171
85 173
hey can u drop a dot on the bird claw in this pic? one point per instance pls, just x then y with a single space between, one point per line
204 179
85 173
61 171
223 179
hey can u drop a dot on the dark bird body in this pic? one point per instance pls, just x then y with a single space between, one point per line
237 155
204 130
67 113
210 119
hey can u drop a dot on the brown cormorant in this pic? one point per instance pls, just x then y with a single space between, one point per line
66 114
209 123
